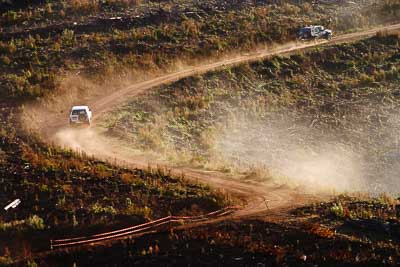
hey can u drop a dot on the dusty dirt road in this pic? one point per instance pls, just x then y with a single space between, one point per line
260 198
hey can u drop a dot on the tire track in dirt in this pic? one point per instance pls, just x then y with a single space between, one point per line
259 197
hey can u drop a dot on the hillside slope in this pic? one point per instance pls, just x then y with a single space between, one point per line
108 41
337 104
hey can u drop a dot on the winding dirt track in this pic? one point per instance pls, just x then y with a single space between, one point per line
260 198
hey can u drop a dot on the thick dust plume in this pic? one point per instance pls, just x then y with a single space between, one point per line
92 142
362 156
292 154
81 140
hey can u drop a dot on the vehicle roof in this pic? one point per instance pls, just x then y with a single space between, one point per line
311 26
79 107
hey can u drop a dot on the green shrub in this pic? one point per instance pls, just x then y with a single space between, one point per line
11 16
6 60
68 36
337 210
35 222
366 80
97 209
6 260
291 9
144 212
31 263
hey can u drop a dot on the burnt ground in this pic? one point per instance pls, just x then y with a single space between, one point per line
65 193
300 241
345 231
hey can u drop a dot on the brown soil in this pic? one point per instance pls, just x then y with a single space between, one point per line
260 198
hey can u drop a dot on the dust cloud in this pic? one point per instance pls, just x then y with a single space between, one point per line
292 152
93 142
81 140
293 155
297 154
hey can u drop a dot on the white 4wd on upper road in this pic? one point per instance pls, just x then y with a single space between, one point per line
80 115
314 32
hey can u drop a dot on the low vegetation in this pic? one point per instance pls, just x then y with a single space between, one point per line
64 194
343 96
314 236
343 90
42 41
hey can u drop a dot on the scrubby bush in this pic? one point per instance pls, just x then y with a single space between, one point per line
99 52
337 210
35 222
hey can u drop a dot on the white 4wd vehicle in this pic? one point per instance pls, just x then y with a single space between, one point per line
80 115
314 32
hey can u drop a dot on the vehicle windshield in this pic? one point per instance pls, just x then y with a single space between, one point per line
304 31
78 112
